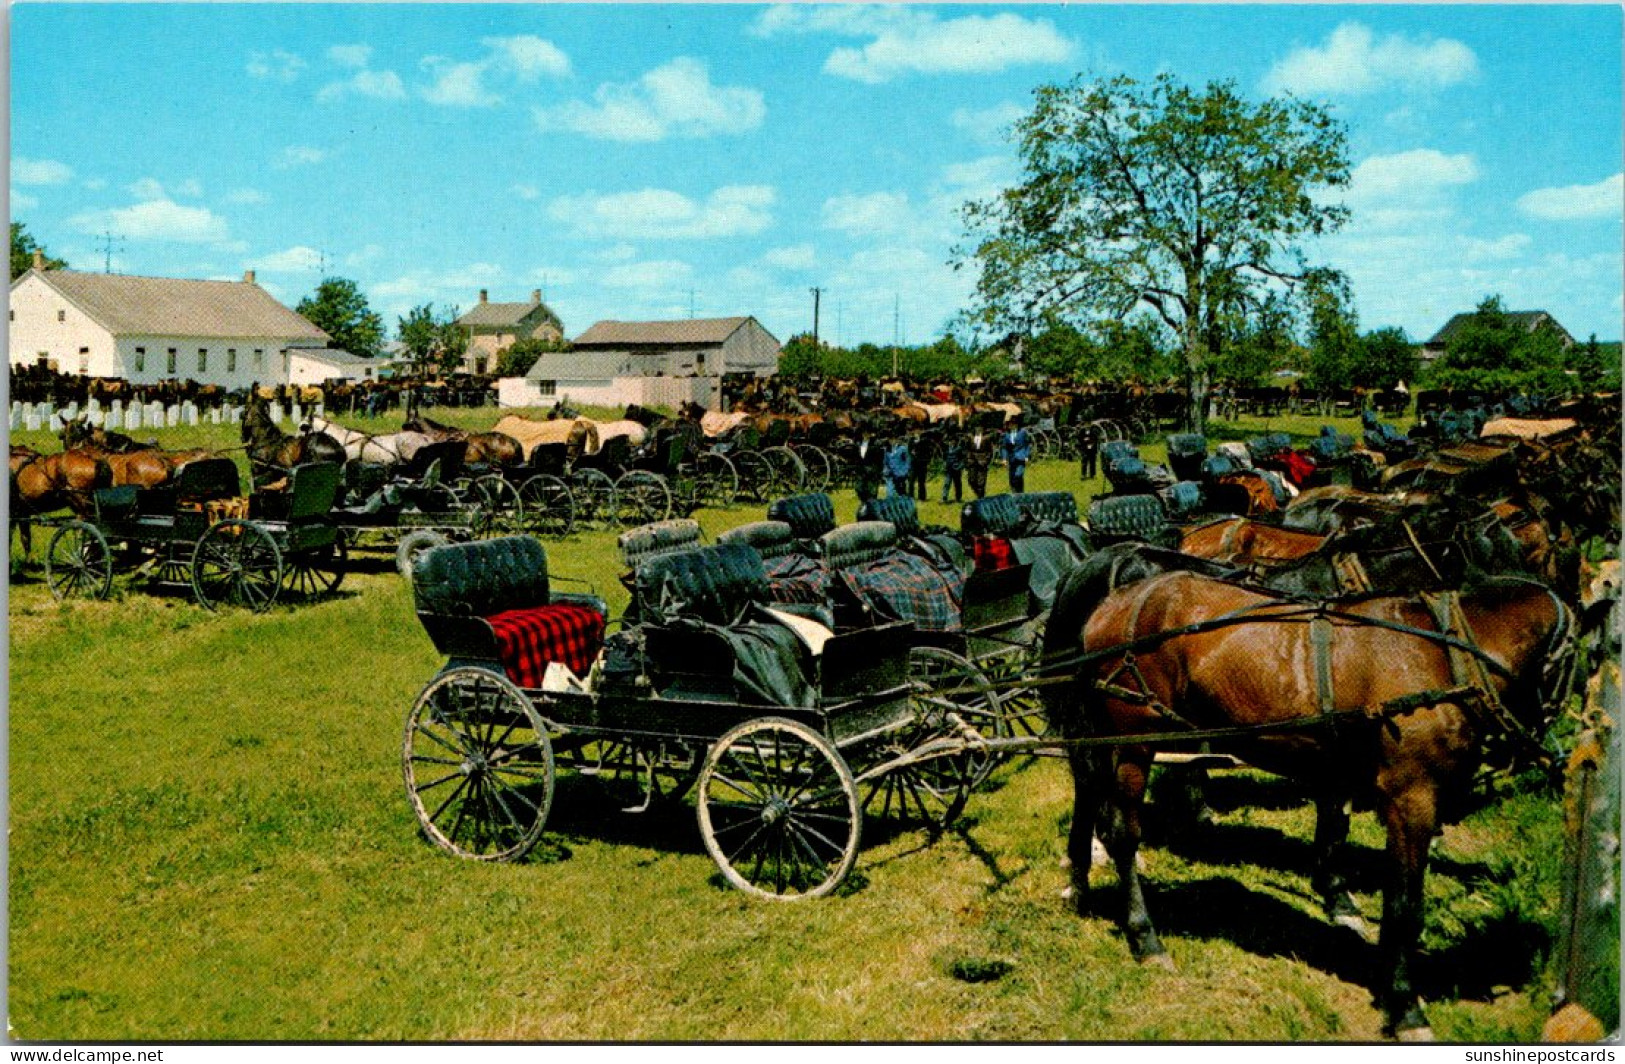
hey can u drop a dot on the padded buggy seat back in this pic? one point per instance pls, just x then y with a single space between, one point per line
1219 465
711 584
995 515
772 539
1181 500
809 516
1331 444
1057 506
1124 517
897 510
313 489
202 481
659 537
436 462
1185 453
481 578
1238 454
872 579
858 544
1112 450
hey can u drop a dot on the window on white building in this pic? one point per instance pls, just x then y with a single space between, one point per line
202 359
231 360
84 360
547 387
259 359
479 365
61 315
140 359
170 363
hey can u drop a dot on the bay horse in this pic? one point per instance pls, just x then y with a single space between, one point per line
131 462
273 453
1389 715
484 448
44 483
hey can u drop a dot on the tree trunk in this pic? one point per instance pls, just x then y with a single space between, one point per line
1200 385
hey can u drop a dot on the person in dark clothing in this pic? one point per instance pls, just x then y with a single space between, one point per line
1088 451
1018 450
978 457
953 464
871 459
925 446
899 465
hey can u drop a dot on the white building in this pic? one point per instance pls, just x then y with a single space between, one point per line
149 329
313 365
651 363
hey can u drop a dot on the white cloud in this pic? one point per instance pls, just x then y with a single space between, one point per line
525 192
1352 61
356 56
911 41
455 287
148 188
1605 199
674 100
300 155
378 84
157 219
989 125
95 184
22 201
463 84
291 259
657 273
1408 176
615 253
39 172
527 57
877 212
245 196
365 254
734 210
275 66
795 257
1500 249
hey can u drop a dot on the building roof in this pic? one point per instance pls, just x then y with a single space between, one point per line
335 356
498 314
167 306
1528 319
565 366
690 331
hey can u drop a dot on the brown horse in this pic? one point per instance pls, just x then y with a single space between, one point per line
272 453
1411 706
44 483
131 462
487 448
1241 541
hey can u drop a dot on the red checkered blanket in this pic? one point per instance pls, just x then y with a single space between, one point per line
795 578
564 632
992 553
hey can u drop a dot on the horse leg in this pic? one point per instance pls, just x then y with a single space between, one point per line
1331 836
1411 818
1086 797
1133 773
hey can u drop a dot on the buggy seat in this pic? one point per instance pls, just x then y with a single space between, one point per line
881 581
809 516
935 544
656 538
1116 518
490 601
793 576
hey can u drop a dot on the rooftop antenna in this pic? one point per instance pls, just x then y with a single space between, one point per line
109 241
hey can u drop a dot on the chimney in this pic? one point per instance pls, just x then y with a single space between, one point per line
535 295
482 295
39 259
248 277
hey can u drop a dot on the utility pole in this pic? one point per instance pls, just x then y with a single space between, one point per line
894 334
691 304
817 294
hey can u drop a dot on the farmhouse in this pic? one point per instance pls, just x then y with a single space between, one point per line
313 365
652 363
493 326
1530 320
148 329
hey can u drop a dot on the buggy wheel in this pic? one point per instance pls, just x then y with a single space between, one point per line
1021 707
316 571
236 562
641 497
505 510
478 766
78 563
717 480
413 544
594 495
755 475
820 470
778 810
789 472
949 698
549 508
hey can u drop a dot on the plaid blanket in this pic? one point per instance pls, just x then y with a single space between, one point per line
992 553
530 638
795 578
904 587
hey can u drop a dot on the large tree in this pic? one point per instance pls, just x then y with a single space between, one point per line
23 246
433 342
1194 203
338 308
1494 352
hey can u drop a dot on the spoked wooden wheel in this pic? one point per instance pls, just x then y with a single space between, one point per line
478 766
503 505
316 571
820 469
641 497
951 701
789 472
236 563
755 475
1021 707
413 544
778 810
718 481
550 510
594 495
78 563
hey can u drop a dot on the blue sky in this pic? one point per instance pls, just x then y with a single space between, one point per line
660 161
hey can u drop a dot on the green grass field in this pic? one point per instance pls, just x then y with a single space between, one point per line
210 840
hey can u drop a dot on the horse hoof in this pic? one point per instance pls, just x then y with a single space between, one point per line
1355 923
1414 1034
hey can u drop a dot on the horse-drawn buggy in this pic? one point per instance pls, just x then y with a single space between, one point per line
788 733
200 530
